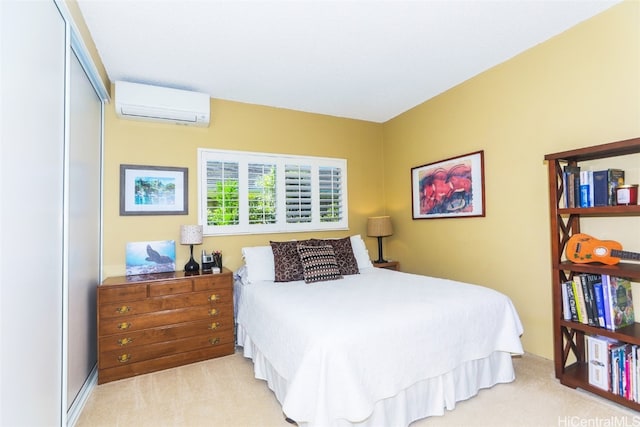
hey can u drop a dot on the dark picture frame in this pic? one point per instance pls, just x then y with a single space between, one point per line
153 190
450 188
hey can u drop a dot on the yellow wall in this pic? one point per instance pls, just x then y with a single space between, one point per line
234 126
580 88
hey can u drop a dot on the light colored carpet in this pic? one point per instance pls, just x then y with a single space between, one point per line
223 393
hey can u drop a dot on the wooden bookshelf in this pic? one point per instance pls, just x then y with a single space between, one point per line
569 337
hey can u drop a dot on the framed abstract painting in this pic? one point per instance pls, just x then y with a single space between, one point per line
449 188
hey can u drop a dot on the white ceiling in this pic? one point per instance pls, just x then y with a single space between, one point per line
369 60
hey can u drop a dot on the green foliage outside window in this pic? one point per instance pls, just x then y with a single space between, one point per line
262 199
222 202
330 213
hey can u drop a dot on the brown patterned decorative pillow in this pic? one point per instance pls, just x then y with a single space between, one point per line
344 254
318 263
286 261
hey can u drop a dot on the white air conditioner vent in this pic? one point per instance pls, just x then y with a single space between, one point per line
160 104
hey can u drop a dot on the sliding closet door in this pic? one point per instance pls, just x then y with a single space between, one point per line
32 89
85 165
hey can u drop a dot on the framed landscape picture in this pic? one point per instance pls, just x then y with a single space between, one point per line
449 188
153 190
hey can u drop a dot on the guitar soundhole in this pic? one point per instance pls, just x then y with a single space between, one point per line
600 251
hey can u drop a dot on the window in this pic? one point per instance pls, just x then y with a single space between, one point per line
243 192
262 193
297 181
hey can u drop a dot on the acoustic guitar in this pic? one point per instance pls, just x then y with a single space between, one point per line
582 249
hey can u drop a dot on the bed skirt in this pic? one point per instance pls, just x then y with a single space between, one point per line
426 398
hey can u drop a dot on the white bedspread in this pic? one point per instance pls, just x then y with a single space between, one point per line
343 345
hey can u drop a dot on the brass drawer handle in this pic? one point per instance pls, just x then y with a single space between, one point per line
123 358
214 325
214 341
123 309
213 312
214 297
125 341
124 325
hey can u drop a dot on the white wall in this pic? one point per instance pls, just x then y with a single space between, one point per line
50 218
31 217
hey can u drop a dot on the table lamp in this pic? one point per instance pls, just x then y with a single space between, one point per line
379 226
191 235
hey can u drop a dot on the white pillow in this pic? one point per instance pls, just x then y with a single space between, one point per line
361 252
242 275
259 262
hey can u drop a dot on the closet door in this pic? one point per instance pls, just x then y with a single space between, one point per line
32 88
85 166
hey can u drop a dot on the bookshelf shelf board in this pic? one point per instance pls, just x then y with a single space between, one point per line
631 332
623 269
603 151
577 376
621 210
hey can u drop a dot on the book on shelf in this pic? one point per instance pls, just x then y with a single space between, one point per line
566 308
606 292
624 372
586 281
599 293
617 369
599 360
628 372
615 179
576 286
614 366
587 189
601 188
620 302
571 177
598 300
594 283
584 189
569 302
590 184
635 374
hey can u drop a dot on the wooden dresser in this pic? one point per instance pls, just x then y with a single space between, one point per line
152 322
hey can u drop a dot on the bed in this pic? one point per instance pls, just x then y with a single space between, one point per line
376 348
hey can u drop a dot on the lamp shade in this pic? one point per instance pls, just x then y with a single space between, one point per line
190 234
379 226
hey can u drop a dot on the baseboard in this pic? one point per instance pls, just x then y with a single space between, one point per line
81 399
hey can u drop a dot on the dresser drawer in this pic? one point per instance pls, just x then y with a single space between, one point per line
121 357
109 294
213 281
166 333
172 287
212 297
163 318
131 369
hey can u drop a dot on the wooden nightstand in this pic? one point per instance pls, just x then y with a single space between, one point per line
391 265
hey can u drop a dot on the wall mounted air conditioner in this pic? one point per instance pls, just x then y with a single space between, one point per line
160 104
